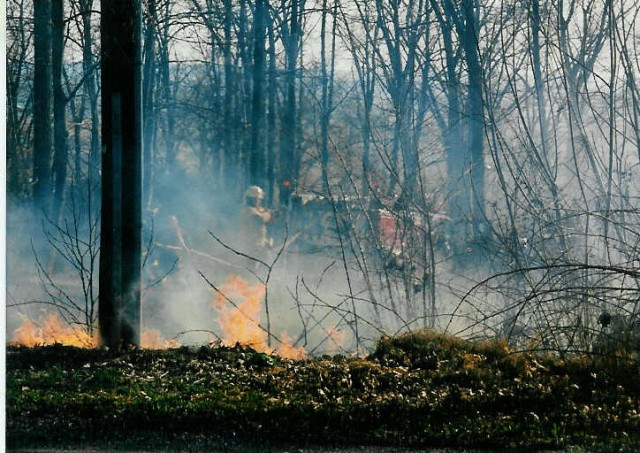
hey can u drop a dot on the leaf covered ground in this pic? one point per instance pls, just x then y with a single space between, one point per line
416 390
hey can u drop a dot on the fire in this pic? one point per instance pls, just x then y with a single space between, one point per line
239 304
239 323
337 339
238 319
53 331
287 350
152 339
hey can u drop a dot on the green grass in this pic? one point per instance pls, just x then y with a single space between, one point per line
417 390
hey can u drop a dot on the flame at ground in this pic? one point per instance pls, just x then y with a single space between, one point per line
288 350
337 339
152 339
53 330
239 305
239 323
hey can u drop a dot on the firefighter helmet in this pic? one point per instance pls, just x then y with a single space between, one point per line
254 192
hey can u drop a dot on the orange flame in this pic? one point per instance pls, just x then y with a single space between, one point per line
287 350
238 305
53 331
152 339
239 323
337 339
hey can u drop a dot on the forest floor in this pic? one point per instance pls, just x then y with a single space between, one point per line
416 391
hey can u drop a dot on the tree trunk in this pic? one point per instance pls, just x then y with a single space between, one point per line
548 170
368 91
77 116
365 64
230 87
288 152
148 85
475 117
241 157
91 90
170 122
457 156
257 159
61 147
271 115
326 101
42 108
120 241
18 142
402 28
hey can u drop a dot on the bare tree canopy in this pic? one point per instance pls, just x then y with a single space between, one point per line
465 165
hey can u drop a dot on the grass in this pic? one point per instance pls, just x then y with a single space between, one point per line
415 390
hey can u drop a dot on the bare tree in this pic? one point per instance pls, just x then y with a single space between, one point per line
148 84
19 98
61 148
42 104
291 29
402 27
365 63
257 156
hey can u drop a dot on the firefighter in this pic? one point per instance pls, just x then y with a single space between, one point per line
253 222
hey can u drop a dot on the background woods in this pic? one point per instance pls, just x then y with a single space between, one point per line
465 164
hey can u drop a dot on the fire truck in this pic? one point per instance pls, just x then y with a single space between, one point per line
397 237
393 240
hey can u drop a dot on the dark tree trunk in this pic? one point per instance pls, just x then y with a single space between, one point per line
120 241
366 68
170 121
288 152
543 156
475 117
77 116
42 109
245 56
230 113
387 16
401 33
271 114
324 103
327 93
91 90
61 147
257 161
17 182
458 187
148 84
537 75
368 91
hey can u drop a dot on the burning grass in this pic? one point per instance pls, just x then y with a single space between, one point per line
415 390
238 305
54 331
